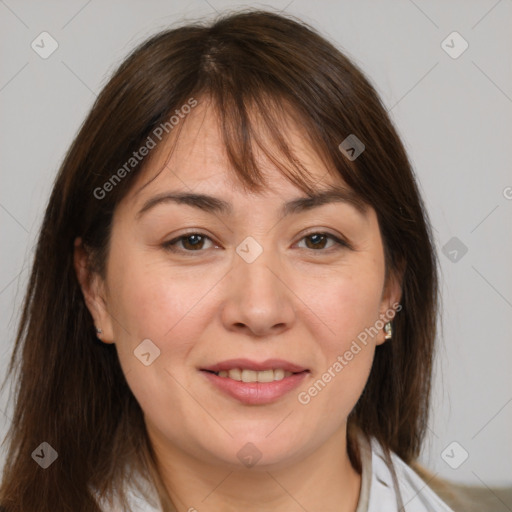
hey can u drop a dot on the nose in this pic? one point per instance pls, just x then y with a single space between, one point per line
258 300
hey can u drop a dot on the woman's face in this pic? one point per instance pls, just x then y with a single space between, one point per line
245 287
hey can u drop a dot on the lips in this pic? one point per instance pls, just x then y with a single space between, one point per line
247 364
253 382
255 393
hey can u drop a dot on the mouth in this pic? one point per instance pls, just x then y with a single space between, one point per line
255 383
246 370
246 375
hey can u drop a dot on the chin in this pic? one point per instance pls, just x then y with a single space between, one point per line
259 450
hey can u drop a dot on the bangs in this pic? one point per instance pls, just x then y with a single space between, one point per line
262 123
259 125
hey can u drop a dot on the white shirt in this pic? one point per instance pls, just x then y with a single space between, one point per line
377 494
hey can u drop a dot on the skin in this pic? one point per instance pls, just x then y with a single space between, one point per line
301 300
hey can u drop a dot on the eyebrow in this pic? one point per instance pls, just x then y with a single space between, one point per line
215 205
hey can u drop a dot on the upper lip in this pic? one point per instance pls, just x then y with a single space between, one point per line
248 364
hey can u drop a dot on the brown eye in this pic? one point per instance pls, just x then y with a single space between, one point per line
191 242
318 241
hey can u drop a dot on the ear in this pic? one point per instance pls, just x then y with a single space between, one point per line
93 290
390 302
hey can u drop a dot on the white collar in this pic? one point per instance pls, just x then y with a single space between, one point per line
413 495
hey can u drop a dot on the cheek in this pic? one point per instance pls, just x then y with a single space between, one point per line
349 307
170 307
348 303
153 302
153 298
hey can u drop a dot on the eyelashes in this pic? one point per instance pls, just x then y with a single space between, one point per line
195 242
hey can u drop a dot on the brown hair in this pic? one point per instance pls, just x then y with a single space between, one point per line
71 390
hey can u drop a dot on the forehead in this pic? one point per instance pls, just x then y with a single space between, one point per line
194 157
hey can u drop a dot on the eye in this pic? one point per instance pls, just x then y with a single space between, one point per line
195 242
191 242
317 241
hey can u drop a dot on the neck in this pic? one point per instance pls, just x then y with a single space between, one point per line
323 480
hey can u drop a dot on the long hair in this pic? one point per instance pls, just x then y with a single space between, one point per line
71 392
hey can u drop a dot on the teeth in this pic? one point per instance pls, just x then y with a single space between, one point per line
253 376
235 374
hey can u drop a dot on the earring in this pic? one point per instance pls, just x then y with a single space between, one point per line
98 331
388 330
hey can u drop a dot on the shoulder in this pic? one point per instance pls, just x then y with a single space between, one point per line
413 491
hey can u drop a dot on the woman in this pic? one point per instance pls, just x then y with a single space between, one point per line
233 299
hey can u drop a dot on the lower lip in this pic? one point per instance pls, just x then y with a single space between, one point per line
256 393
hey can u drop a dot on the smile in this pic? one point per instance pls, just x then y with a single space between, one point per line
254 387
245 375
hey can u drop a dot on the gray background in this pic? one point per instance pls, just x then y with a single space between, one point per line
454 116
